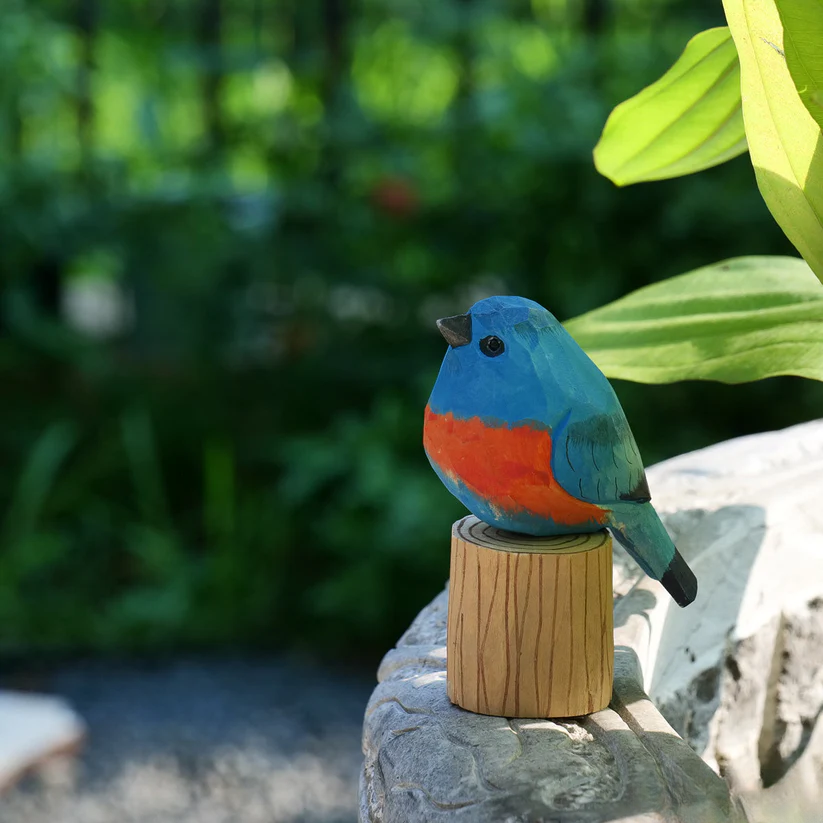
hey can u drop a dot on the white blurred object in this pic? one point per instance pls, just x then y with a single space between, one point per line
97 306
35 731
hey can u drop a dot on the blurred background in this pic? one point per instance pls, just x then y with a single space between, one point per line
227 229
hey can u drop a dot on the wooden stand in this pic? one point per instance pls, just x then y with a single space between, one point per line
530 628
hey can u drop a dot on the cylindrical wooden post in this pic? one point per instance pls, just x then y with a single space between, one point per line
530 629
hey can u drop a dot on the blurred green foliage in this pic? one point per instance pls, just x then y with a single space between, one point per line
279 198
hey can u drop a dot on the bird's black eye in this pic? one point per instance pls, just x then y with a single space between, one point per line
491 346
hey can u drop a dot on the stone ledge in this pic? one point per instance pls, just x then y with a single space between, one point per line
745 515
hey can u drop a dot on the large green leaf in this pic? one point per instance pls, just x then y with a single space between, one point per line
689 120
784 139
739 320
803 38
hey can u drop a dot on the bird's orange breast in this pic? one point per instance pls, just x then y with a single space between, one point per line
509 466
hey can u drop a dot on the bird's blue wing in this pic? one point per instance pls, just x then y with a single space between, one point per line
595 458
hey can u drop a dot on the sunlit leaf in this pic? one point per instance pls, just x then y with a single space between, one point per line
400 77
803 38
784 139
739 320
689 120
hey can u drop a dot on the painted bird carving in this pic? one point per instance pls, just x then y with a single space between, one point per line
526 431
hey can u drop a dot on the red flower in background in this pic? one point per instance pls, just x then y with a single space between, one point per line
395 196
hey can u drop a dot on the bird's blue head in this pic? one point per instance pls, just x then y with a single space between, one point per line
505 355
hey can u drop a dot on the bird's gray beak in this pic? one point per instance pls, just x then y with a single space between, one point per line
456 330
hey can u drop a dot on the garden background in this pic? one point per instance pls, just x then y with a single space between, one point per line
227 229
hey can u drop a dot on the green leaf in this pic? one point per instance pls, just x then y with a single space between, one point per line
739 320
37 480
803 37
784 139
144 463
689 120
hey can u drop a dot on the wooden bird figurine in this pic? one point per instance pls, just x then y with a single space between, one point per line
526 431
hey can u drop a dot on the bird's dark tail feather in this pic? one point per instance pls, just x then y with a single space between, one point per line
645 537
679 580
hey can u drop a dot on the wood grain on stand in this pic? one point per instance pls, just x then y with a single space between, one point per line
530 631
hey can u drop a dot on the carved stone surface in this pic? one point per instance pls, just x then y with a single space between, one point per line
740 673
737 673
